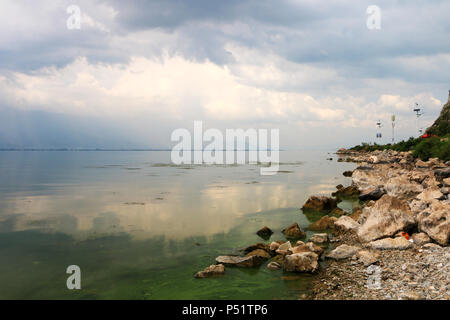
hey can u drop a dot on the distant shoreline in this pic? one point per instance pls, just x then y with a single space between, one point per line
101 149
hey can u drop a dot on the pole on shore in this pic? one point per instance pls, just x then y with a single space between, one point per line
393 126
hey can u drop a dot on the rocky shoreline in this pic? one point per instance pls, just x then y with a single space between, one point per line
397 247
393 245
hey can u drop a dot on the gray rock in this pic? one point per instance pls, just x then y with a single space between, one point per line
435 221
441 174
367 258
401 187
301 262
430 194
432 247
284 248
388 216
342 252
273 266
346 223
399 243
242 262
319 238
373 193
420 238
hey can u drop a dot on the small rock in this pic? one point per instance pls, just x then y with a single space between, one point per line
432 247
301 262
345 223
367 258
338 212
442 174
343 192
420 238
342 252
294 232
436 222
373 193
446 182
259 252
399 243
356 214
255 246
273 266
307 247
211 271
319 238
242 262
264 233
430 194
320 203
274 246
323 224
347 173
284 248
410 295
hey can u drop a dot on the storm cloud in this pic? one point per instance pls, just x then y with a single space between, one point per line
140 69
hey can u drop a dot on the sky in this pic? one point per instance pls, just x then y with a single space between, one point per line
134 71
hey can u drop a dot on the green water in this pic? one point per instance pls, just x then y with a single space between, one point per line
140 228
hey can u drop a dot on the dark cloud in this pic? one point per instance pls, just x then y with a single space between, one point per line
407 56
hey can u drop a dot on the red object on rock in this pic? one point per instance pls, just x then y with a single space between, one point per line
405 235
426 135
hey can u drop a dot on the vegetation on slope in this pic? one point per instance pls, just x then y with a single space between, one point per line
436 146
441 126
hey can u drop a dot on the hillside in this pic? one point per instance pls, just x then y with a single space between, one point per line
441 126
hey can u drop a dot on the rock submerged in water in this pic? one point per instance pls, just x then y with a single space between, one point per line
301 262
347 173
259 252
324 223
273 266
388 216
294 232
241 262
211 271
338 212
320 203
264 233
343 192
256 246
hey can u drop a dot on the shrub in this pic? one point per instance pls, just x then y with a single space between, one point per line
433 148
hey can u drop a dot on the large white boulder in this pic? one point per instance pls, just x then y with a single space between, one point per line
388 216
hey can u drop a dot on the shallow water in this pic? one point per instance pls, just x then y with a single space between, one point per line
139 227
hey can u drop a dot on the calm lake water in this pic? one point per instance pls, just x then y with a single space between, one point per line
140 228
